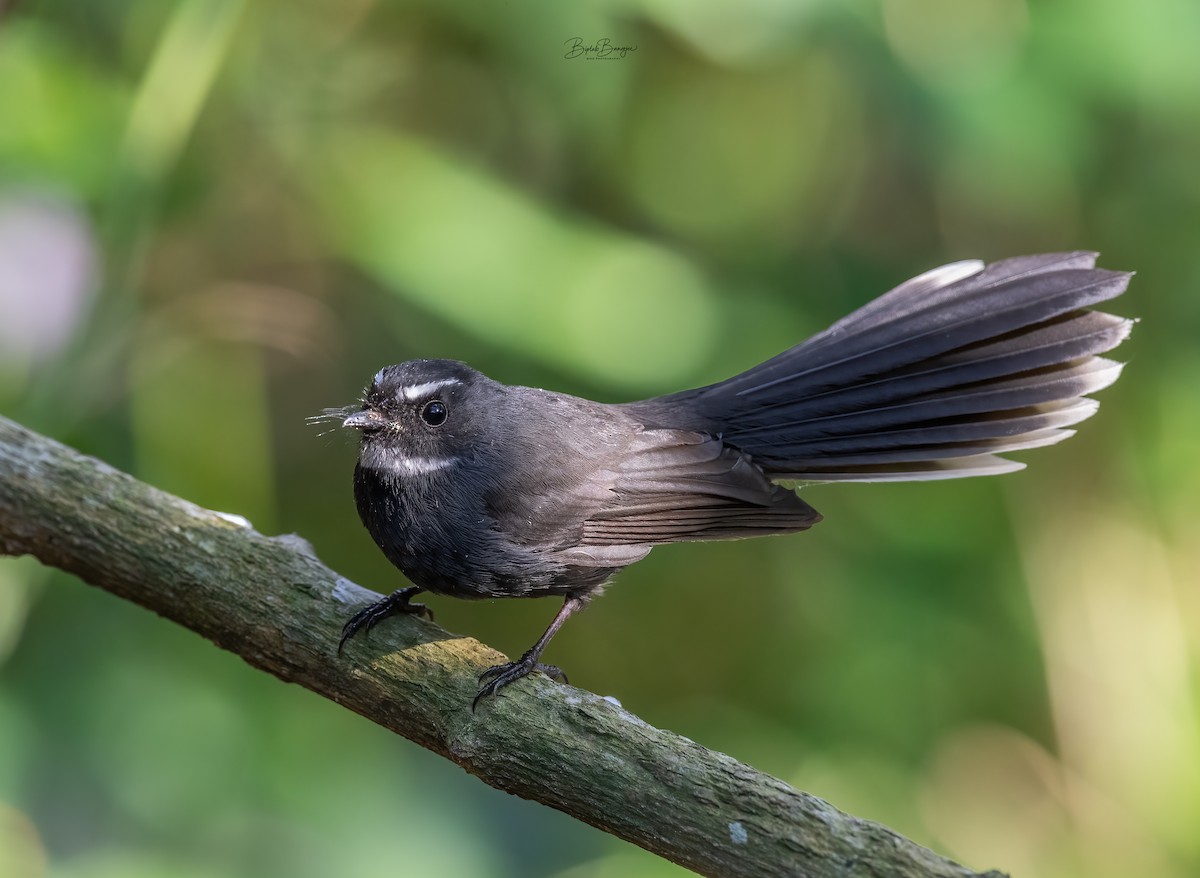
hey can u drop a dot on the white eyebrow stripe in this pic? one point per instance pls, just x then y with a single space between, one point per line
416 391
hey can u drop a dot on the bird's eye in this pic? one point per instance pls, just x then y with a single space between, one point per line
434 413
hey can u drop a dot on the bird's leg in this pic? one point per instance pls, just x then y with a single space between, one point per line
371 615
495 679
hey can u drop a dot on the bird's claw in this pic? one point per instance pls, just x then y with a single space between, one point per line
496 678
372 614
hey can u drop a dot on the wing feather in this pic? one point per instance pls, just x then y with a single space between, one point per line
678 485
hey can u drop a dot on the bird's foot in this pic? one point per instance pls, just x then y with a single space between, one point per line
496 678
368 617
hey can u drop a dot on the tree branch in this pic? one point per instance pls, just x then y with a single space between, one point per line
271 601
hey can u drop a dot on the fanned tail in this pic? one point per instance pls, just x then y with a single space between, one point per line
931 380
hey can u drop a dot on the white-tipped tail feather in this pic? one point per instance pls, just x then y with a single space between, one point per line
933 379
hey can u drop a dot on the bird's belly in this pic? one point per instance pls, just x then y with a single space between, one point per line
450 545
492 572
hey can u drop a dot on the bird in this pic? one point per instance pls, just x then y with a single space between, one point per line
477 489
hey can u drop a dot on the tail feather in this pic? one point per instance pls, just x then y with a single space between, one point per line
918 335
1008 426
930 380
976 400
1081 335
950 281
917 453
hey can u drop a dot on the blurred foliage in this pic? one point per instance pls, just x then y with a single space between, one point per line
219 216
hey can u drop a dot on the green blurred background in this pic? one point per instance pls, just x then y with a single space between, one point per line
219 216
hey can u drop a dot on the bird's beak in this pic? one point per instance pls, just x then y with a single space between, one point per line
366 420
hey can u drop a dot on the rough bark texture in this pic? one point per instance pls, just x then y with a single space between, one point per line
271 601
